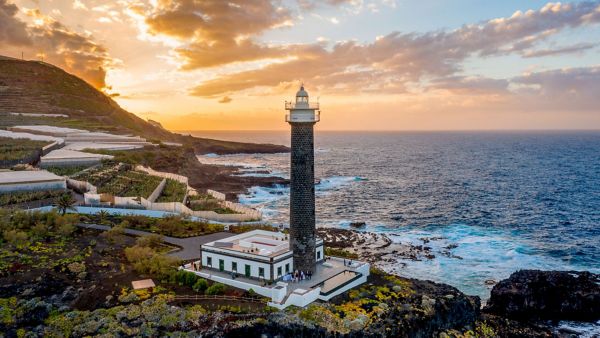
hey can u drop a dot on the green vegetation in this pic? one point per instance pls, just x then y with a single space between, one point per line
17 149
175 225
35 240
174 191
120 180
146 260
66 171
154 157
206 202
8 199
340 253
64 203
361 306
130 183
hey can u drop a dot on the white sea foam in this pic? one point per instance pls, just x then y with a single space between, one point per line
583 330
481 254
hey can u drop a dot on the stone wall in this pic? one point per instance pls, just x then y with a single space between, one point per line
302 196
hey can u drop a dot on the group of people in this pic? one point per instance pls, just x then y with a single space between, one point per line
297 276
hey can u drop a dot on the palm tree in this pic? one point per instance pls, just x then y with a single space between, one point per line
65 202
102 216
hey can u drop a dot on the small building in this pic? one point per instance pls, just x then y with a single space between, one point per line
257 254
65 158
34 180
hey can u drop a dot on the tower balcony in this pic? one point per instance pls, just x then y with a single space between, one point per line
301 105
307 116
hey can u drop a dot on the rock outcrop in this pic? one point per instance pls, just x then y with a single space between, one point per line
548 295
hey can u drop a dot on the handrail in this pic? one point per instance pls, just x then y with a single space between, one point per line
301 105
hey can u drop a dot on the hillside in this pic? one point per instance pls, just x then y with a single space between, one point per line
38 87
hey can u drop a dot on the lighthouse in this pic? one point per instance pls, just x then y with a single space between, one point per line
302 117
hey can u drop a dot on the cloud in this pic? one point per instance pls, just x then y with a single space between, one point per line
225 99
47 37
471 85
559 51
216 32
567 88
12 30
396 60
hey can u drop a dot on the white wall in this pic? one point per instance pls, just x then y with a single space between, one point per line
319 249
282 264
241 264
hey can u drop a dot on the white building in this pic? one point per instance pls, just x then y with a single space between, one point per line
35 180
257 254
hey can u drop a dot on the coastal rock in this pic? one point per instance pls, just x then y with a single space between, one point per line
551 295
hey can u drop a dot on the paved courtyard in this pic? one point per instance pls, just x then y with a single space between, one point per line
323 271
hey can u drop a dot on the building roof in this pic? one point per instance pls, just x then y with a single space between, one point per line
60 154
142 284
302 92
29 176
256 242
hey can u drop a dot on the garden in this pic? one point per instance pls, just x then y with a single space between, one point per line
120 180
206 202
66 171
17 149
174 191
14 198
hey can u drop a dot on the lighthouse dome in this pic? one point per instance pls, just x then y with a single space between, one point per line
302 92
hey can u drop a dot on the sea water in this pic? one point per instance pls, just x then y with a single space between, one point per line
490 203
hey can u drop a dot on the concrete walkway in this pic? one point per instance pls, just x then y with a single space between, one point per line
190 247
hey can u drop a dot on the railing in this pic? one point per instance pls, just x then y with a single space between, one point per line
301 105
218 297
303 117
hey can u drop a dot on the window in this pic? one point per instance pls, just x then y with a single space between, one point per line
247 270
278 271
318 255
209 261
287 268
221 265
234 266
261 272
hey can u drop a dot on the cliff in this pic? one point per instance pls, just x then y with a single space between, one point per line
41 88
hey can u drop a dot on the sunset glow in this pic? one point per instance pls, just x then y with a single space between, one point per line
373 64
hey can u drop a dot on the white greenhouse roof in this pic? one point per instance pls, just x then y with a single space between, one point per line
17 135
50 129
61 154
107 146
31 176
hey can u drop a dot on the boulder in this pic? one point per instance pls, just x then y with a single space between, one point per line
548 295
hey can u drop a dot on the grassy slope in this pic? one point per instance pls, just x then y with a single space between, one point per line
37 87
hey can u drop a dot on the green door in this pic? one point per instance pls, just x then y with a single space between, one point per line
221 265
247 270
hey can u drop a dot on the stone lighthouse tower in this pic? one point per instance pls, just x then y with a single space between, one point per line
302 117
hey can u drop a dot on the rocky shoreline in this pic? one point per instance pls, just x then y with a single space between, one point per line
376 248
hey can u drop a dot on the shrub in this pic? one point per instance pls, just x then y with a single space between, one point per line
201 285
15 237
150 241
216 289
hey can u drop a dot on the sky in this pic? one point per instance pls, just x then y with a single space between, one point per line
371 64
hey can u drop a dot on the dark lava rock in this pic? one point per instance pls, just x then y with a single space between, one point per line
551 295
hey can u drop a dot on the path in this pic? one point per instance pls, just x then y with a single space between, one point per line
190 247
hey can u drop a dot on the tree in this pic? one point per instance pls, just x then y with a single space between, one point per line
200 285
216 289
102 216
65 202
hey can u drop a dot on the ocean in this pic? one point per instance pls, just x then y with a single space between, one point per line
502 201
